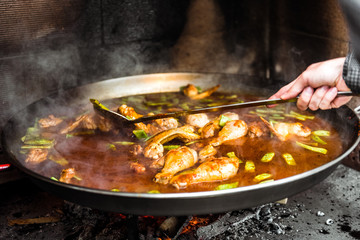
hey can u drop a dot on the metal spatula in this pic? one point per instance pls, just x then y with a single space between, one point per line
101 109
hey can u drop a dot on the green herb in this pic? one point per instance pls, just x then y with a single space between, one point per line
115 190
124 143
36 146
77 178
289 159
321 133
170 147
232 155
223 120
154 191
227 186
140 134
268 157
261 177
54 178
82 133
266 181
249 166
318 139
185 106
314 149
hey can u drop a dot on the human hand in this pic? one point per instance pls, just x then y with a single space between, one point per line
318 86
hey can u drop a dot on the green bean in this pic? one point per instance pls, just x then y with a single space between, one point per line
314 149
227 186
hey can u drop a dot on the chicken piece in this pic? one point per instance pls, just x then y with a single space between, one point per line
67 174
50 121
85 121
137 167
154 148
215 169
176 160
206 152
128 112
192 92
37 155
197 120
232 130
256 129
285 130
210 129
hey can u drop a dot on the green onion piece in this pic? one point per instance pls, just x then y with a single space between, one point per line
232 155
231 96
249 166
223 120
42 141
185 106
89 132
59 160
140 134
227 186
170 147
321 133
261 110
318 139
154 191
35 146
301 115
115 190
124 143
111 147
54 178
258 114
268 157
262 177
297 117
289 159
199 89
266 181
314 149
77 178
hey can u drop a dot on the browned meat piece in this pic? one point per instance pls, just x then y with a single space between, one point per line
176 160
154 148
192 92
211 128
137 167
159 125
197 120
285 130
135 150
215 169
128 112
37 155
50 121
232 130
85 121
67 174
104 124
206 152
256 129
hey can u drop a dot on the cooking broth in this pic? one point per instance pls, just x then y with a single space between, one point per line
102 163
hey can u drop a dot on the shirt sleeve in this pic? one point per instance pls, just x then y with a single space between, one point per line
351 72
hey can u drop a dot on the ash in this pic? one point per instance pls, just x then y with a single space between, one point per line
252 223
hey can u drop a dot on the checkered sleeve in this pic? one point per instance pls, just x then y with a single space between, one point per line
351 72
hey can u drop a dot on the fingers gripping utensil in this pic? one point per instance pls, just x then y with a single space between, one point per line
121 119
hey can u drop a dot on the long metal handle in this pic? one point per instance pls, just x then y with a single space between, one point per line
224 107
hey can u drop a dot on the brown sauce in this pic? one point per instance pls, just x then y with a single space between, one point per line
102 168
